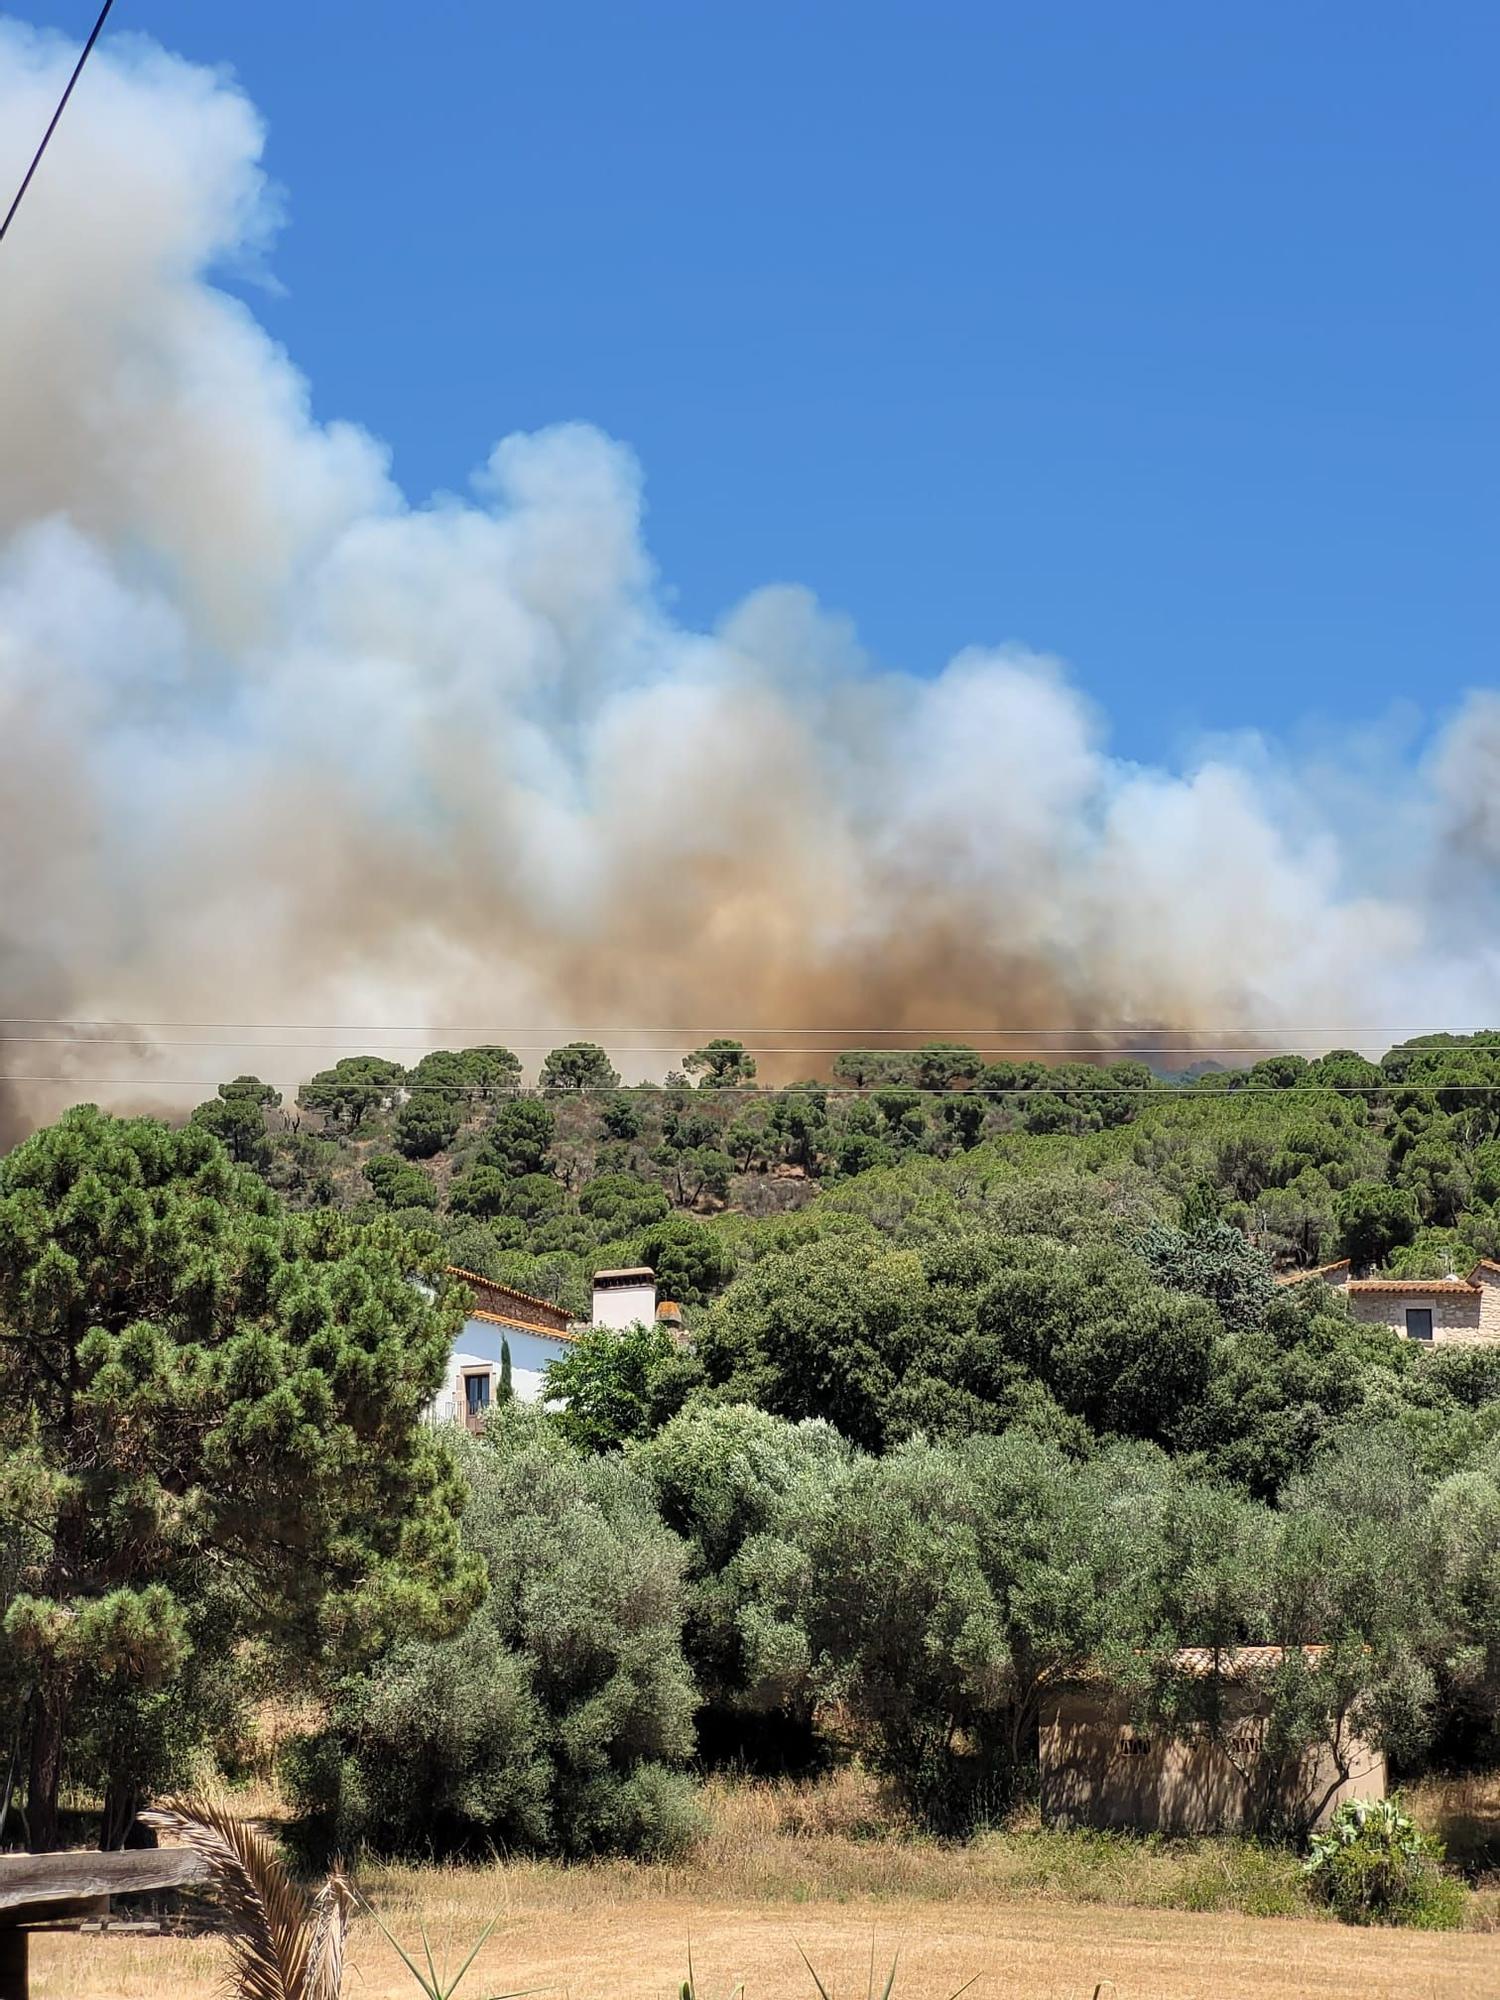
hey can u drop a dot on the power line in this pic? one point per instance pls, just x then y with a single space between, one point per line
62 105
636 1028
749 1093
231 1035
231 1040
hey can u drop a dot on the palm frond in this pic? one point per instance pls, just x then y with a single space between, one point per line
282 1946
333 1906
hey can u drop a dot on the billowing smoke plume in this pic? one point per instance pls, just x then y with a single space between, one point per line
277 746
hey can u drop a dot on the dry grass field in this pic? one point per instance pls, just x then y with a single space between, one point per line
638 1951
1038 1915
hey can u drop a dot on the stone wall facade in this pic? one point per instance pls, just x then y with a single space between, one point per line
1465 1311
1099 1769
1456 1317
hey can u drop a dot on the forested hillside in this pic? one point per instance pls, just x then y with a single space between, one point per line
1395 1163
990 1382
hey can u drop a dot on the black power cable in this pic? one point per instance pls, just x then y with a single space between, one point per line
62 105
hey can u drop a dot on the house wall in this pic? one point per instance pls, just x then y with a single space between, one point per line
1455 1317
1097 1770
1458 1318
478 1346
624 1306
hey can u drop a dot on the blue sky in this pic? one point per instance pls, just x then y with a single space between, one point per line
1158 336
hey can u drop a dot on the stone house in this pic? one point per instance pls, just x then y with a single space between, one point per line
1449 1311
1100 1769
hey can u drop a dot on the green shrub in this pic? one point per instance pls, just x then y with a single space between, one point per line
1243 1875
559 1719
400 1183
1440 1902
1373 1865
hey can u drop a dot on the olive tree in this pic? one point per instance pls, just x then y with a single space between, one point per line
560 1718
744 1490
948 1585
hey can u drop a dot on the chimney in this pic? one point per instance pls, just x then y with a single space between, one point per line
621 1298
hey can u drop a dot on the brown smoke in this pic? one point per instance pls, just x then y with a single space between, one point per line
279 750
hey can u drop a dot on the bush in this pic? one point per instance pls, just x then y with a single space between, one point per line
554 1720
1373 1865
428 1123
691 1262
399 1183
623 1202
606 1385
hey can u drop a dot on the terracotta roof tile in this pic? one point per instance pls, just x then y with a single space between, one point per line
1449 1287
524 1326
1232 1660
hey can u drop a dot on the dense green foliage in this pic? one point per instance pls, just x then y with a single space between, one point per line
989 1382
1395 1163
559 1719
1374 1866
209 1431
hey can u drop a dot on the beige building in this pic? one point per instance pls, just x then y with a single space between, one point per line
1443 1311
1099 1769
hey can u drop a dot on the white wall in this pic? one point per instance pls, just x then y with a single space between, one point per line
478 1346
626 1306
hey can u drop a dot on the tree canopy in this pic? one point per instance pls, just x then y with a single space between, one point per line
999 1335
196 1387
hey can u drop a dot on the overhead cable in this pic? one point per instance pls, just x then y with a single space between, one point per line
62 105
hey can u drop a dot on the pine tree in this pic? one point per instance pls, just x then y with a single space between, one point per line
195 1385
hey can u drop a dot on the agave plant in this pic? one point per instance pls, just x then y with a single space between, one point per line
443 1985
886 1992
284 1944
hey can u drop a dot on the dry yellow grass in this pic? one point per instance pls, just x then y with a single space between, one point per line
607 1949
1038 1915
1465 1815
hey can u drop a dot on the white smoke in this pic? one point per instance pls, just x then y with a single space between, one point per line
277 746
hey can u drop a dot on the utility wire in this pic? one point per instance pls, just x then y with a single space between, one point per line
1221 1054
62 105
229 1038
637 1028
750 1093
1100 1046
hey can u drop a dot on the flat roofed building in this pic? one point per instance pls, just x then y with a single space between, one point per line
1098 1768
625 1298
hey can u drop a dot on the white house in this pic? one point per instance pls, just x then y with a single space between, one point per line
532 1333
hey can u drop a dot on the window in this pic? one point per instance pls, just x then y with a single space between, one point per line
476 1394
1419 1322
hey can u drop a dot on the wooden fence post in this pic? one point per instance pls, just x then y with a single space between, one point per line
13 1957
